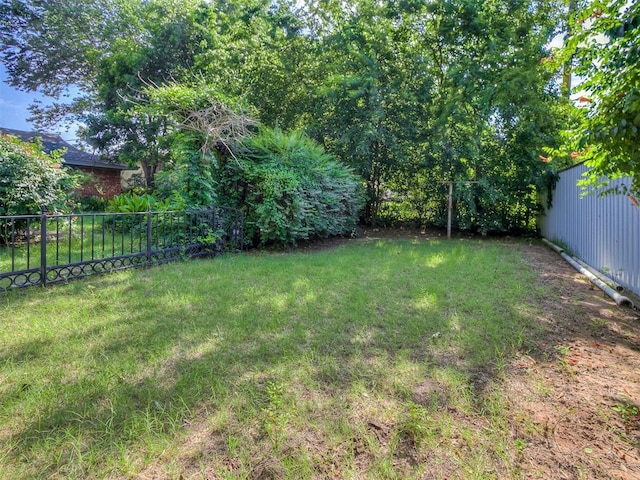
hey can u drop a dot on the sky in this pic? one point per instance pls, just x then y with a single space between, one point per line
14 108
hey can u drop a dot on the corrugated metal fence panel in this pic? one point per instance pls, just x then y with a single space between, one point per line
602 231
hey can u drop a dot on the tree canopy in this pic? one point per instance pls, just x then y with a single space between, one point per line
408 94
605 49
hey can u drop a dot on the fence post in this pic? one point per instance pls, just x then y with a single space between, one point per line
214 230
149 234
43 246
241 230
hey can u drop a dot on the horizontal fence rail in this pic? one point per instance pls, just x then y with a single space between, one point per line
44 249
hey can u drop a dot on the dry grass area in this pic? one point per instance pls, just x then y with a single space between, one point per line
575 394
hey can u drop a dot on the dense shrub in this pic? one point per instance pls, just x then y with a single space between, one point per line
286 184
31 179
290 189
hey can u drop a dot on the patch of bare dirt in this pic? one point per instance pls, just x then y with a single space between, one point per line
577 392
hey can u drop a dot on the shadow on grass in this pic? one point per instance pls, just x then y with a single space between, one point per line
130 359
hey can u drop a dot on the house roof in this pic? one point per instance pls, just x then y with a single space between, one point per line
73 157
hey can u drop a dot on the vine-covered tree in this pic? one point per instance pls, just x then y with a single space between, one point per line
287 185
202 123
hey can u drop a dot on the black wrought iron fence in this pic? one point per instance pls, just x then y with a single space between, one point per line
43 249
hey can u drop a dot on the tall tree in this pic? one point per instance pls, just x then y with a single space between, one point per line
171 41
368 107
51 45
261 52
493 106
605 45
107 50
443 91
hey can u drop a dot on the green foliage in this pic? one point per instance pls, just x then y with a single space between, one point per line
131 202
494 110
171 43
170 181
182 100
201 119
628 411
408 94
31 179
172 223
260 51
108 51
198 189
172 189
415 95
371 103
50 44
605 48
290 189
91 204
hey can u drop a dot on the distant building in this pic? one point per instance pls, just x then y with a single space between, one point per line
107 177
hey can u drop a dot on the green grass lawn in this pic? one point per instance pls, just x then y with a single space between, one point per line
375 360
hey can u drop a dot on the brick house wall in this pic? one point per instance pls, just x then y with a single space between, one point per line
105 179
104 183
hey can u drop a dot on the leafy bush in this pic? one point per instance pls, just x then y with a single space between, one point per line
173 226
201 118
132 202
90 204
31 179
290 189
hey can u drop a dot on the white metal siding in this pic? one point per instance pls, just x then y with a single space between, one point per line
602 231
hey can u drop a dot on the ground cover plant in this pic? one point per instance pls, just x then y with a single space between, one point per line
387 358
